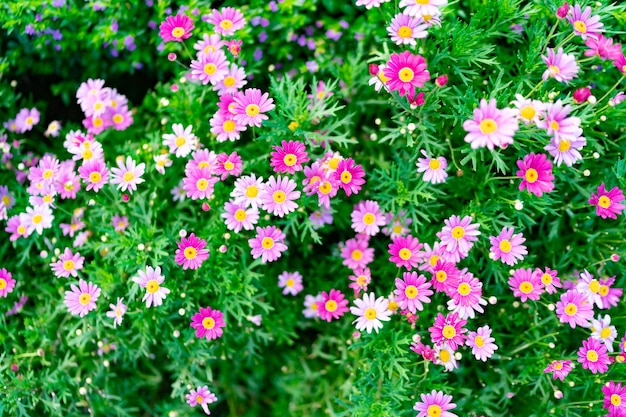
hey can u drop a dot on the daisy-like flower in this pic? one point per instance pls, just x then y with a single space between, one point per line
559 368
356 253
120 223
481 343
225 127
162 161
151 279
191 253
250 107
608 203
589 287
176 28
201 396
434 169
82 299
208 323
411 291
423 8
549 280
559 124
583 23
370 3
199 183
397 225
38 218
405 251
526 285
268 244
430 256
211 67
444 356
405 29
117 312
566 150
182 141
7 283
202 158
227 21
443 274
360 280
67 264
234 79
311 304
435 404
535 170
228 165
288 157
209 43
248 190
370 312
94 173
367 218
278 196
603 331
349 176
592 355
620 64
491 126
603 48
508 246
448 329
466 295
17 226
290 282
610 296
574 309
529 111
236 216
406 72
561 66
332 305
128 175
458 235
614 398
378 78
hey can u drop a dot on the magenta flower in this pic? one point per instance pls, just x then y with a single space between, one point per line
559 368
176 28
610 296
227 21
448 329
574 309
94 173
117 312
405 251
229 165
583 23
208 323
82 299
608 203
332 306
444 272
620 64
491 126
199 183
7 283
435 404
549 280
288 157
434 169
593 356
367 218
536 173
250 107
406 72
481 343
17 226
526 285
614 398
603 48
458 235
411 291
201 396
224 126
290 282
151 279
26 119
237 216
349 176
508 246
466 295
128 175
404 29
356 253
268 244
191 253
561 66
211 67
278 196
67 264
360 280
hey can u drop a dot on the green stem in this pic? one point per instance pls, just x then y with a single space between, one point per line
556 24
612 88
452 155
534 88
567 39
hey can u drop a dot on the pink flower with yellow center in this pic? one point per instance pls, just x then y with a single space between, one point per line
404 29
208 323
349 176
406 72
94 173
128 174
199 183
608 203
278 196
210 68
559 368
435 404
238 216
535 170
176 28
268 244
405 251
458 235
191 253
574 309
332 306
228 165
151 279
227 21
288 157
67 264
7 283
593 356
448 329
290 282
583 23
491 126
356 253
367 218
411 291
508 247
561 66
481 343
250 107
434 169
526 285
82 299
201 396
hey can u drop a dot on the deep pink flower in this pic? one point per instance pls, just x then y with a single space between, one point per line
465 294
574 309
411 291
7 283
593 356
268 244
448 329
208 323
560 369
405 251
603 48
94 173
250 107
406 72
349 176
549 279
444 273
491 127
332 306
356 253
536 173
199 183
288 157
191 253
82 299
608 203
620 63
201 396
176 28
614 397
526 285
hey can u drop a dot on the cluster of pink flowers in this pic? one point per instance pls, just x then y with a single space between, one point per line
103 107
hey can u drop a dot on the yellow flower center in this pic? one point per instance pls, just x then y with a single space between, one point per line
97 122
557 366
333 163
488 126
616 400
564 145
202 184
434 164
228 166
528 112
240 215
458 232
37 218
21 230
546 279
208 323
505 246
604 201
6 200
405 32
229 81
479 341
152 286
444 356
293 125
68 265
95 177
526 287
441 276
84 299
411 292
554 70
190 253
3 283
571 309
29 120
228 126
47 174
346 177
180 141
531 175
357 255
594 286
370 313
449 332
604 290
422 2
267 243
199 398
433 260
580 26
606 332
397 229
554 125
464 288
368 218
204 164
118 118
325 187
178 32
129 176
226 24
331 305
592 356
209 69
361 280
406 74
252 191
290 283
252 110
404 254
87 154
279 196
290 159
393 306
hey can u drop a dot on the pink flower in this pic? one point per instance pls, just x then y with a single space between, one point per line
448 329
82 299
226 21
278 196
458 235
566 150
176 28
332 306
201 396
211 67
406 72
237 216
465 294
561 66
191 253
228 165
360 280
26 119
526 285
491 126
411 291
151 279
603 48
117 312
208 323
290 282
268 244
128 175
235 79
349 176
370 3
620 64
199 183
530 111
225 127
536 173
434 169
481 343
559 368
583 23
94 173
443 274
508 246
549 280
208 44
17 226
356 253
367 218
608 203
405 251
423 8
558 124
7 283
405 29
250 107
435 404
589 287
593 356
67 264
247 190
288 157
614 397
574 309
609 296
38 218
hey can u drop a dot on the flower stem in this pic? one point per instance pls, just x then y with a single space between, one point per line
612 88
535 88
569 37
452 155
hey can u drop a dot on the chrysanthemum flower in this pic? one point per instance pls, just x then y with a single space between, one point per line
405 29
278 196
549 280
610 296
67 264
481 343
536 173
199 183
508 247
268 244
248 190
82 299
620 64
431 255
94 173
201 396
583 23
603 48
465 294
26 119
228 165
370 3
561 66
406 72
151 279
191 253
288 157
525 284
574 309
356 253
208 323
251 106
237 216
367 218
566 150
603 331
405 251
592 355
290 282
117 312
234 79
559 124
458 235
176 28
38 218
448 329
411 291
311 304
225 127
435 404
182 142
444 356
128 175
434 169
529 111
7 283
162 161
444 273
332 306
559 368
491 126
227 21
614 398
349 176
209 43
210 68
608 203
422 8
17 227
370 312
589 287
360 280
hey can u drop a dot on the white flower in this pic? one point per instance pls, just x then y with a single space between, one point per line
370 311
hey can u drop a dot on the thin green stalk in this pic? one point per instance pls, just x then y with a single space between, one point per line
612 88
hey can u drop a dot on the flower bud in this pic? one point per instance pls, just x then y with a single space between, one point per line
206 207
171 56
562 11
125 198
441 80
373 68
582 94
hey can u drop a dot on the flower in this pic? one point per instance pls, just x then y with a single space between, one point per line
360 280
151 279
411 291
234 79
592 354
574 309
17 226
7 283
583 23
311 304
176 28
466 294
208 323
435 404
590 288
508 246
448 329
332 305
443 273
162 161
228 165
211 67
434 169
250 107
94 173
225 127
603 331
559 368
536 173
608 203
405 29
202 396
290 282
199 183
267 244
227 21
566 150
128 175
237 216
278 195
191 253
423 8
481 343
526 285
458 235
444 355
288 157
620 64
549 280
37 219
26 119
67 264
558 124
117 312
349 176
367 218
405 72
356 253
120 223
405 251
491 126
614 398
82 299
182 142
370 312
561 66
609 296
246 190
603 48
370 3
